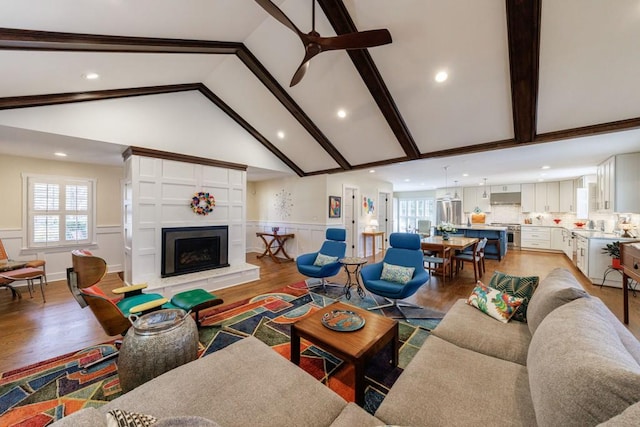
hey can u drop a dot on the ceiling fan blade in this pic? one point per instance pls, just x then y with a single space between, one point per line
311 51
359 40
274 11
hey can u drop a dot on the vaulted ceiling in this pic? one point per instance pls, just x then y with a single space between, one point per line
529 82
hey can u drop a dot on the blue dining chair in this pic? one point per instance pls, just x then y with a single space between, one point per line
326 265
404 252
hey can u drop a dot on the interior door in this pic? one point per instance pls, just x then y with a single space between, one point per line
350 215
384 216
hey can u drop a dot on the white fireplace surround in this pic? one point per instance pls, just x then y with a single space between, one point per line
157 195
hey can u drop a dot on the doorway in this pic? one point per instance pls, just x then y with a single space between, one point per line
350 209
384 216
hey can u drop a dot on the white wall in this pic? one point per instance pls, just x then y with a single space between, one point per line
308 213
108 204
158 194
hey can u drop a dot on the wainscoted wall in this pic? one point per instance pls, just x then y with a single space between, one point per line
109 246
157 195
308 237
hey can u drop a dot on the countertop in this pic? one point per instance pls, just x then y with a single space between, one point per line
480 227
585 232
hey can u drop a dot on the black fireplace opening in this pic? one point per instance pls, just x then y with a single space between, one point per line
191 249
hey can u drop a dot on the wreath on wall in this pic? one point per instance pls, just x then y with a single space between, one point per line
202 203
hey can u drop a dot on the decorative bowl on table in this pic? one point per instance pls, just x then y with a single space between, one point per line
579 224
557 220
343 320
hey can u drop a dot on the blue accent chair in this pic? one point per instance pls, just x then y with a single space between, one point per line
334 246
405 251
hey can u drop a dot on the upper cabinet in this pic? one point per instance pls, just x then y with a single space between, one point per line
509 188
567 196
541 197
547 196
472 199
618 180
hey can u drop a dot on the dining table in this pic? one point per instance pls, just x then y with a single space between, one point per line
456 243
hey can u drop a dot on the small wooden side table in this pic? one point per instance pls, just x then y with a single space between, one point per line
355 347
372 235
280 239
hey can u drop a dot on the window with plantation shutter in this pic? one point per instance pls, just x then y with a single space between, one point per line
60 211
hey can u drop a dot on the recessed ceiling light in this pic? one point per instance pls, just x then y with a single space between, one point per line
465 174
546 167
372 171
60 154
91 76
280 134
342 114
441 76
407 180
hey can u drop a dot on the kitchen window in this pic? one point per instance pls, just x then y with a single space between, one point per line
60 211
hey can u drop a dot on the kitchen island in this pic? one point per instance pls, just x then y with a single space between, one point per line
496 237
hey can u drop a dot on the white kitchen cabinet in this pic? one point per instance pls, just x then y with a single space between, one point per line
582 254
567 243
547 197
567 202
535 237
599 262
472 199
528 197
618 179
557 241
507 188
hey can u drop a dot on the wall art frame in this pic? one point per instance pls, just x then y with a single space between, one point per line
335 206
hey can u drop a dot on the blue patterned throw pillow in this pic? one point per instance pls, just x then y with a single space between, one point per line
322 260
396 273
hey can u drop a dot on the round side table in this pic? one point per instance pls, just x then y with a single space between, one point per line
352 266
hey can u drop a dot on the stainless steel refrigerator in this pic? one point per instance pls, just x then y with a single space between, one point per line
448 211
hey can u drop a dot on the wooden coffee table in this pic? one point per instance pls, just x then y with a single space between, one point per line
356 347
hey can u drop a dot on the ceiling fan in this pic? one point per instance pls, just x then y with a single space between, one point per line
314 43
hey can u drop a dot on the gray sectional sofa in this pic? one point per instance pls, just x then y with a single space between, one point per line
573 363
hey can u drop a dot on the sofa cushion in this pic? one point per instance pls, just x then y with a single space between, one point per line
558 288
446 385
499 305
580 371
250 380
396 273
521 287
467 327
628 418
87 417
353 415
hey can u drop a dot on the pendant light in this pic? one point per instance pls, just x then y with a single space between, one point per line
455 194
447 195
484 193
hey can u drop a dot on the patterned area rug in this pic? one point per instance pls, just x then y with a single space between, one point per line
38 394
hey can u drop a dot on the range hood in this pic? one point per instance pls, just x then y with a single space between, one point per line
505 198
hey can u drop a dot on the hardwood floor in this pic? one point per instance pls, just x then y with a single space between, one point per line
32 331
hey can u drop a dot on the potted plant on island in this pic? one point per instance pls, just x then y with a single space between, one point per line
445 228
613 250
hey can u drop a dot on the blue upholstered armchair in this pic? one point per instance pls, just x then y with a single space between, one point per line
404 251
326 265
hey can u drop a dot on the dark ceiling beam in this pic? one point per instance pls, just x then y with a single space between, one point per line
250 129
274 87
523 29
12 39
342 23
601 128
98 95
